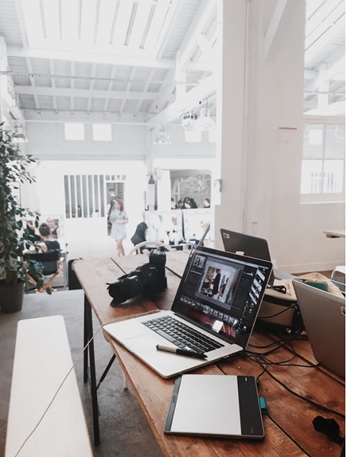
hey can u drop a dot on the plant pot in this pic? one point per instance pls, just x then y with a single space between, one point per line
11 297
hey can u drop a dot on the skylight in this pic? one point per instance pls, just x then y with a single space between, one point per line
107 26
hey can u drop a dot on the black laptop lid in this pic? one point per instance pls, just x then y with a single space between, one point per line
248 245
222 292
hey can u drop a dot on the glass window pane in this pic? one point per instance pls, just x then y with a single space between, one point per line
102 132
335 141
312 177
74 132
333 176
313 141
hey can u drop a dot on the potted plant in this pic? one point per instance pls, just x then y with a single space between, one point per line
13 238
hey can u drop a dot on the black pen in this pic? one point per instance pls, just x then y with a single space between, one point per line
187 352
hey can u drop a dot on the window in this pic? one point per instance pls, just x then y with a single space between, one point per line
323 165
102 132
74 132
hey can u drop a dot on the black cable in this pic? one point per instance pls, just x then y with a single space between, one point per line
257 358
287 308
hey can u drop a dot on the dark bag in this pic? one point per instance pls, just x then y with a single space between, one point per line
279 310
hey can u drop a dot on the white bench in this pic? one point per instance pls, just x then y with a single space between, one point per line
41 362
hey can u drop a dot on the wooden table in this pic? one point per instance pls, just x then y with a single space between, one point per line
288 424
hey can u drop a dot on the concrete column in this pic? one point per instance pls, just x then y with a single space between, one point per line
260 115
231 111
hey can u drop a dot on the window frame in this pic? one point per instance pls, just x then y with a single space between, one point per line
323 197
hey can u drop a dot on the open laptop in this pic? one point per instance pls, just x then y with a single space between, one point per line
323 314
248 245
219 297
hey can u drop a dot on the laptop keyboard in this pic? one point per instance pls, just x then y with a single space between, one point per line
182 335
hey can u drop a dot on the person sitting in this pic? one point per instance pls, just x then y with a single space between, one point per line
47 243
32 233
140 234
206 203
186 203
193 204
189 202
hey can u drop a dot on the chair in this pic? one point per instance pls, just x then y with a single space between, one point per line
150 246
51 264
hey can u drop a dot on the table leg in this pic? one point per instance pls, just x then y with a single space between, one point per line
106 370
89 352
86 340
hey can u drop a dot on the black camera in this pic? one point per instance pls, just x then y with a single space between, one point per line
146 279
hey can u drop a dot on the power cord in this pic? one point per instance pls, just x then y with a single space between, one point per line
287 308
262 361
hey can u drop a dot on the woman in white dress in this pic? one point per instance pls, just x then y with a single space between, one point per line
118 218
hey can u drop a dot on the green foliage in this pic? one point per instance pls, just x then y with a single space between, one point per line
14 169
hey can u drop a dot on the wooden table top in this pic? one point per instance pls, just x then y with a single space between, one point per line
288 424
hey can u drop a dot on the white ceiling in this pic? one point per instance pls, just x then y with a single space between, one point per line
125 60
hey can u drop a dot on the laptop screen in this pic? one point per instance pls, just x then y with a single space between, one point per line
222 292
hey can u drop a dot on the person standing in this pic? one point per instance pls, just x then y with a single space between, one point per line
118 218
54 228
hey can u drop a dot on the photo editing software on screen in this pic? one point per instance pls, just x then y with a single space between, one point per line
223 294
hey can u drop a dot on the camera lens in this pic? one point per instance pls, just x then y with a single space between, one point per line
124 289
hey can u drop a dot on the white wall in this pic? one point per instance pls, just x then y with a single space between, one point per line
130 142
47 142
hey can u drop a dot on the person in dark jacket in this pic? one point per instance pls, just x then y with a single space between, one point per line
140 234
47 243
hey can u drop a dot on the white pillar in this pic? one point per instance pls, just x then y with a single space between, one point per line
231 112
262 82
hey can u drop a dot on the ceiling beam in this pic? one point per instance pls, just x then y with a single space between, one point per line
99 58
90 57
328 36
59 92
125 98
51 68
165 95
191 41
109 90
73 74
91 87
191 99
46 115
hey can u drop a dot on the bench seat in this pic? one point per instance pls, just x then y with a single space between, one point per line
41 362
